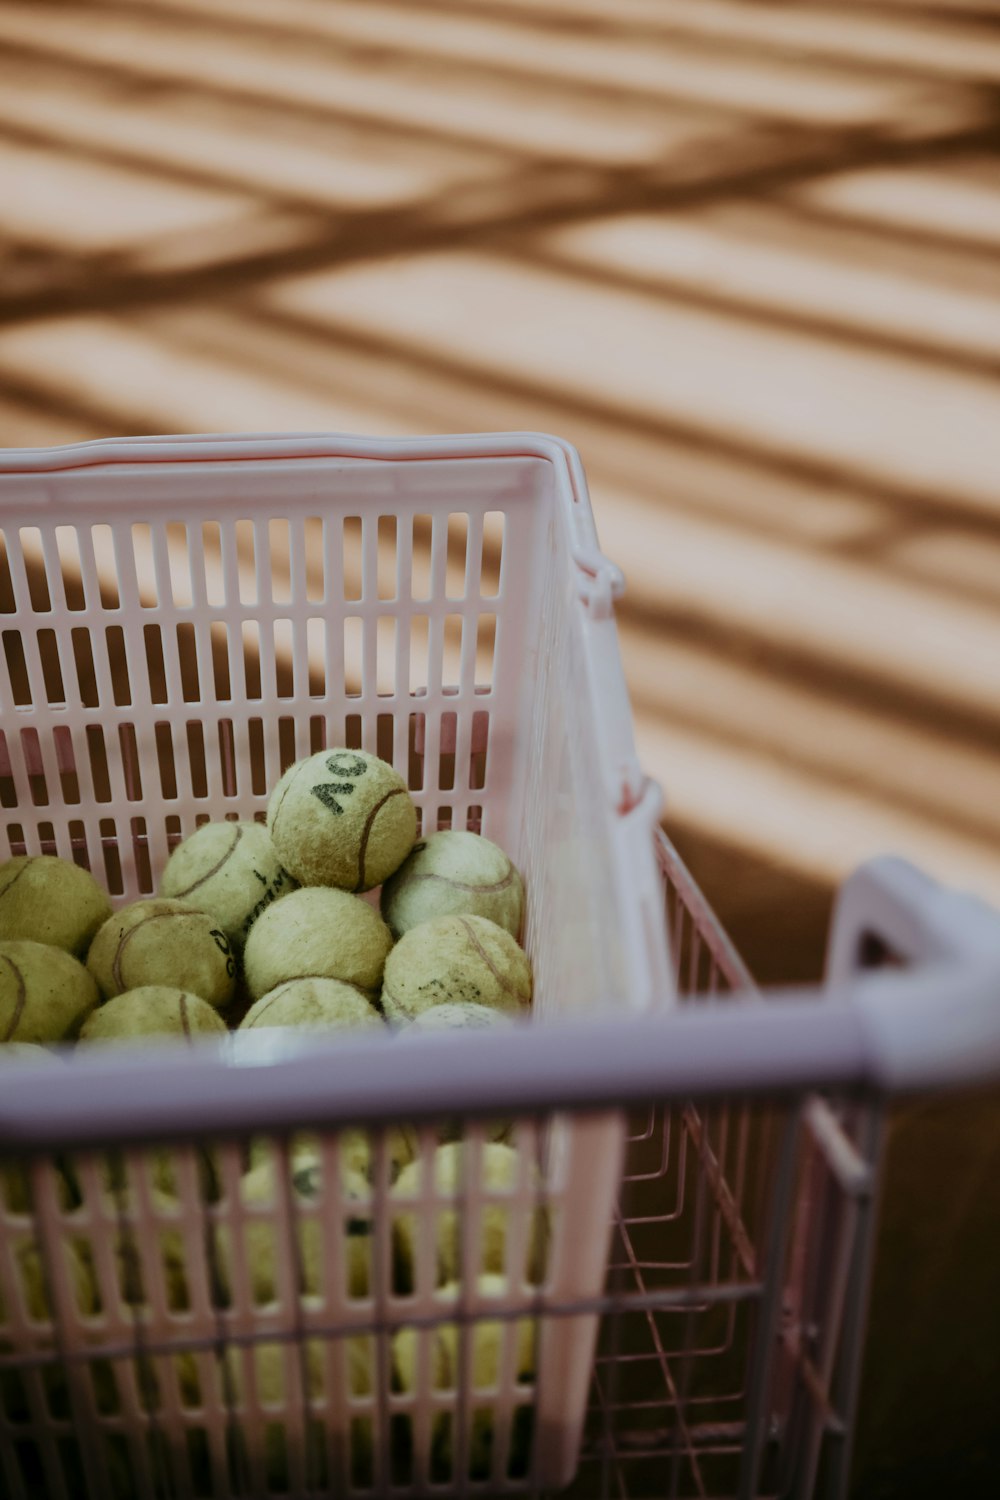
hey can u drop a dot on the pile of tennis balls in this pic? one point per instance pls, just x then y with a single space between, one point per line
260 925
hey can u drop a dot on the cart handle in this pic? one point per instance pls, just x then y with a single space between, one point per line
888 910
937 1027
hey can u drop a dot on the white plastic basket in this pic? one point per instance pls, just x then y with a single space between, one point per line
188 616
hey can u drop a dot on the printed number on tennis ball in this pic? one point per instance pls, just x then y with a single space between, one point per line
342 818
50 900
152 1013
163 942
313 1262
487 1359
45 993
450 874
314 932
499 1174
455 960
230 870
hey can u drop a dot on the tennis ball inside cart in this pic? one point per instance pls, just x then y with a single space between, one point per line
493 1346
342 818
50 900
455 960
498 1174
152 1012
45 993
164 942
323 1004
450 874
316 932
230 870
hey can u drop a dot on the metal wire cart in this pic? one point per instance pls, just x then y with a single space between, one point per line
686 1247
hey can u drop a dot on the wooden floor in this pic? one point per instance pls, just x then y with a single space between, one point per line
747 257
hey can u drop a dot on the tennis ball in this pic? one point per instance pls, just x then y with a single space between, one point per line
15 1178
455 959
327 1004
229 870
313 1265
163 942
29 1278
342 818
451 874
462 1016
32 1281
499 1174
484 1353
457 1015
50 900
316 933
152 1012
45 993
166 1249
353 1374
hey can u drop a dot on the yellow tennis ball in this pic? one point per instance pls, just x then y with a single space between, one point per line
455 960
230 870
15 1177
314 933
35 1298
150 1013
483 1372
326 1004
342 818
266 1241
450 874
462 1016
50 900
45 993
163 942
166 1252
353 1365
499 1172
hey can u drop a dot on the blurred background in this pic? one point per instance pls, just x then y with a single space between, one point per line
746 256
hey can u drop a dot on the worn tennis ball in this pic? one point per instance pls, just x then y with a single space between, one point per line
45 993
165 1250
499 1173
450 874
163 942
152 1012
482 1373
342 818
455 960
15 1178
316 933
266 1239
34 1287
231 871
292 1375
325 1004
50 900
462 1016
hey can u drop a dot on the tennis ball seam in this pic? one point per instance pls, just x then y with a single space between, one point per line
397 791
12 883
126 938
460 885
478 947
288 787
22 994
183 1008
180 895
